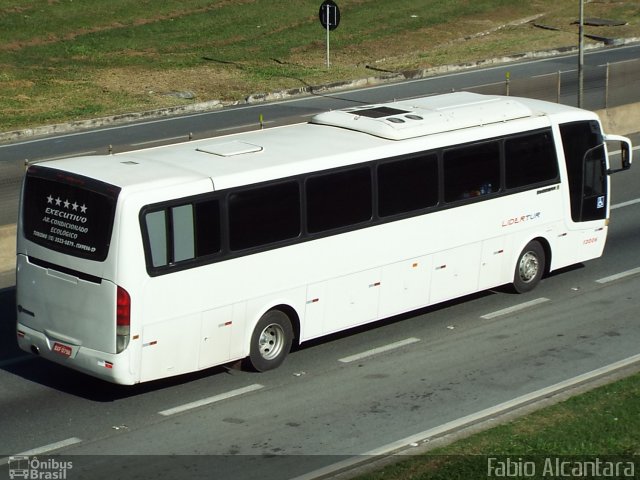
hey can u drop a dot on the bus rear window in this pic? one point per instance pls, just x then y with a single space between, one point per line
68 213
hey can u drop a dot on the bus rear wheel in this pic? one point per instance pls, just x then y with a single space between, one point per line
529 267
271 341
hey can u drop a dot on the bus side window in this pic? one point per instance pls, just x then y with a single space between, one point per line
156 223
471 171
207 231
264 215
530 159
183 232
171 236
183 239
407 185
338 199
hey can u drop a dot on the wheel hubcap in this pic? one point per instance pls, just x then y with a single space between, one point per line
528 267
271 341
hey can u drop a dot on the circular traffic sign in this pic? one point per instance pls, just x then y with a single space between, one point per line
329 15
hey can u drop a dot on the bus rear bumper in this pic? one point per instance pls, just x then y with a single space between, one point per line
106 366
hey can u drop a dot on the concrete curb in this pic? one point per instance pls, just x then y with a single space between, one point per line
212 105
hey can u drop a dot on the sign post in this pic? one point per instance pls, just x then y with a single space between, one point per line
329 15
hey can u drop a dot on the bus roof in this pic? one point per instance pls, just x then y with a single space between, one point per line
418 117
330 139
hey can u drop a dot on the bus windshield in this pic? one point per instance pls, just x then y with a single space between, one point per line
69 213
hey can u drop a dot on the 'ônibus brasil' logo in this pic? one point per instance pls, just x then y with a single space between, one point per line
23 466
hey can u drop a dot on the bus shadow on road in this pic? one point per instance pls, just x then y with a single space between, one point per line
8 345
57 377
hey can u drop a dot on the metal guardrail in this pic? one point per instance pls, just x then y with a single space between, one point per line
606 86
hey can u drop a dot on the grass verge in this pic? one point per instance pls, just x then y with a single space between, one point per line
64 60
600 424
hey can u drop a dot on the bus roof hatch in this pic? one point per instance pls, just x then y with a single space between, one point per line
229 149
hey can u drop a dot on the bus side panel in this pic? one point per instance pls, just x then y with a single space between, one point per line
492 263
215 338
313 324
351 300
455 272
579 245
405 286
170 347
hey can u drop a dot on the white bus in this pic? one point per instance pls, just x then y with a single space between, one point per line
162 261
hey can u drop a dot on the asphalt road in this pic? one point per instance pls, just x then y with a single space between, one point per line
335 397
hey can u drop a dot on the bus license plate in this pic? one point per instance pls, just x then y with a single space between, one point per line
62 349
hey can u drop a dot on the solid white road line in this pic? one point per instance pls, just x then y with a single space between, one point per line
397 447
160 140
515 308
73 155
246 125
625 204
214 399
618 276
45 449
375 351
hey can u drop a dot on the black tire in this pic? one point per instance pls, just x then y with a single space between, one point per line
270 341
530 267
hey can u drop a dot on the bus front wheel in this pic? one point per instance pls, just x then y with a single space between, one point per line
271 341
529 267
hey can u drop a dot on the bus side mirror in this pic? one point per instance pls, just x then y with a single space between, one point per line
624 162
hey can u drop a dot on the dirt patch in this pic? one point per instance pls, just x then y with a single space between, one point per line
203 81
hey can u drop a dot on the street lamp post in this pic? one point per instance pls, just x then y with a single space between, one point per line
580 54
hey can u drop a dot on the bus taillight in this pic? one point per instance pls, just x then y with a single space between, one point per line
123 319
